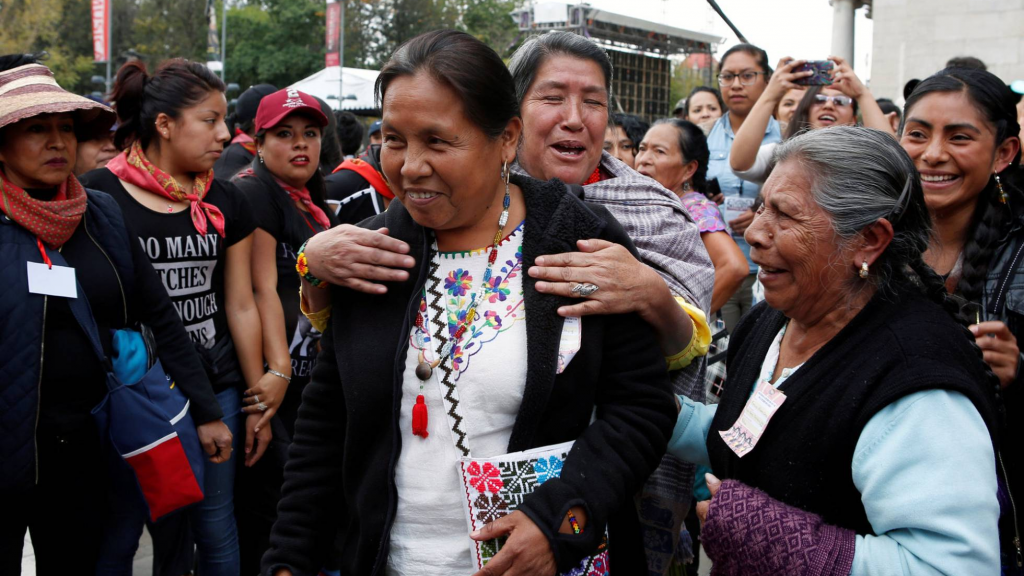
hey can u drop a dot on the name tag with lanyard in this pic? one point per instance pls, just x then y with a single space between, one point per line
49 280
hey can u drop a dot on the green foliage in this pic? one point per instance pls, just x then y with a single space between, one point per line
276 41
685 79
41 25
490 22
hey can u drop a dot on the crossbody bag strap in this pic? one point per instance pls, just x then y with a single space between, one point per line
82 312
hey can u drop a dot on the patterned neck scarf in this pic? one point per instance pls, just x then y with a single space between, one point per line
296 194
245 140
134 167
304 197
52 222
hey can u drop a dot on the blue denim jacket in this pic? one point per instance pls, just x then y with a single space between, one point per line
720 144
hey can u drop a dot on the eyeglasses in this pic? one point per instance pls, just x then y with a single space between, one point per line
837 100
746 78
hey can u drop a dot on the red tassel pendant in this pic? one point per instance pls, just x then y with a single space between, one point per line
419 418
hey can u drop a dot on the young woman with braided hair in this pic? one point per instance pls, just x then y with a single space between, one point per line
960 127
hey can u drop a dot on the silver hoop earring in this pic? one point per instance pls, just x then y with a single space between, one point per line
864 269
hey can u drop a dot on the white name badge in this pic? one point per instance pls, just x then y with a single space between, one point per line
569 343
56 281
760 408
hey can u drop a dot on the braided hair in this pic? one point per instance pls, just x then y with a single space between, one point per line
991 217
859 176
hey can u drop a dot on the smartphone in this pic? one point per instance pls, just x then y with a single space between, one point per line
822 73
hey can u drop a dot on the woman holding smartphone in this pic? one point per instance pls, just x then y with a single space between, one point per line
821 106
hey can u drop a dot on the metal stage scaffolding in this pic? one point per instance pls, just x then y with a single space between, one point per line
640 50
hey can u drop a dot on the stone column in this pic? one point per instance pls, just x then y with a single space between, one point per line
842 28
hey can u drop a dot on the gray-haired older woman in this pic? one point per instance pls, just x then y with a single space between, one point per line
856 431
563 82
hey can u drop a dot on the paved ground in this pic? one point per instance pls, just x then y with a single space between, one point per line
143 558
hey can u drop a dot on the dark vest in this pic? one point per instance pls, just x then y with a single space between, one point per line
894 347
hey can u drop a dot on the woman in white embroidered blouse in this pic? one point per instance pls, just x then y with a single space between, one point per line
470 358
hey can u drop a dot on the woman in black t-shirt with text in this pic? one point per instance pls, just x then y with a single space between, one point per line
197 233
286 192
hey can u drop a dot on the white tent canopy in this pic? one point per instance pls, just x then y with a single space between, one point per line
357 87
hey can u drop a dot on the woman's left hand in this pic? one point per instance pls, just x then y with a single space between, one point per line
844 79
704 505
269 391
526 551
624 283
1000 349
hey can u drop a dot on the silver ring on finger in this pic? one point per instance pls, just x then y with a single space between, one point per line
586 289
262 407
256 397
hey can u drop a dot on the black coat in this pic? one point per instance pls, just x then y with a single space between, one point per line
347 440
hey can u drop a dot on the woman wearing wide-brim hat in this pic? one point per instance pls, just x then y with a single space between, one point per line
59 241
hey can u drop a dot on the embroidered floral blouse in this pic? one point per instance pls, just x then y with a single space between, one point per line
705 213
487 386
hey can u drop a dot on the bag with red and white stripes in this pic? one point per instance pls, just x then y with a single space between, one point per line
149 426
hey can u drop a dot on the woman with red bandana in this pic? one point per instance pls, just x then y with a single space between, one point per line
197 233
61 243
286 191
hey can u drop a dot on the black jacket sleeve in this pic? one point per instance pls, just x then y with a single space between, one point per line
312 495
614 456
150 304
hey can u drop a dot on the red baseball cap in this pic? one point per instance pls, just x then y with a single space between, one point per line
274 107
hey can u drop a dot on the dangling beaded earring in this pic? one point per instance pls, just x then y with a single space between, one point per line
864 271
261 158
1003 197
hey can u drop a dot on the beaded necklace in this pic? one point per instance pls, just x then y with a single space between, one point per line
424 369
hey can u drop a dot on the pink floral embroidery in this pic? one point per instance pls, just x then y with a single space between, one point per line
487 479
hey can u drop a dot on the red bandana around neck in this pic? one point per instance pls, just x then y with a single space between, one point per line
307 201
364 169
133 166
245 140
52 222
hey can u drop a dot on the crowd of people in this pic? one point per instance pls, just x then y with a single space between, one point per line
350 315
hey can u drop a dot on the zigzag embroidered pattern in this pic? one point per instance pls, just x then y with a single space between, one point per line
440 320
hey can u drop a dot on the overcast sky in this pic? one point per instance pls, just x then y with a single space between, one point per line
797 28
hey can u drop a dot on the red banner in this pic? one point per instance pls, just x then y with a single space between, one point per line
100 30
333 33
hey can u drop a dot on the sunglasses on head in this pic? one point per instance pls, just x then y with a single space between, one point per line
835 100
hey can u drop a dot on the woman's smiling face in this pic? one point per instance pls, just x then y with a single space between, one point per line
954 148
830 112
443 168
